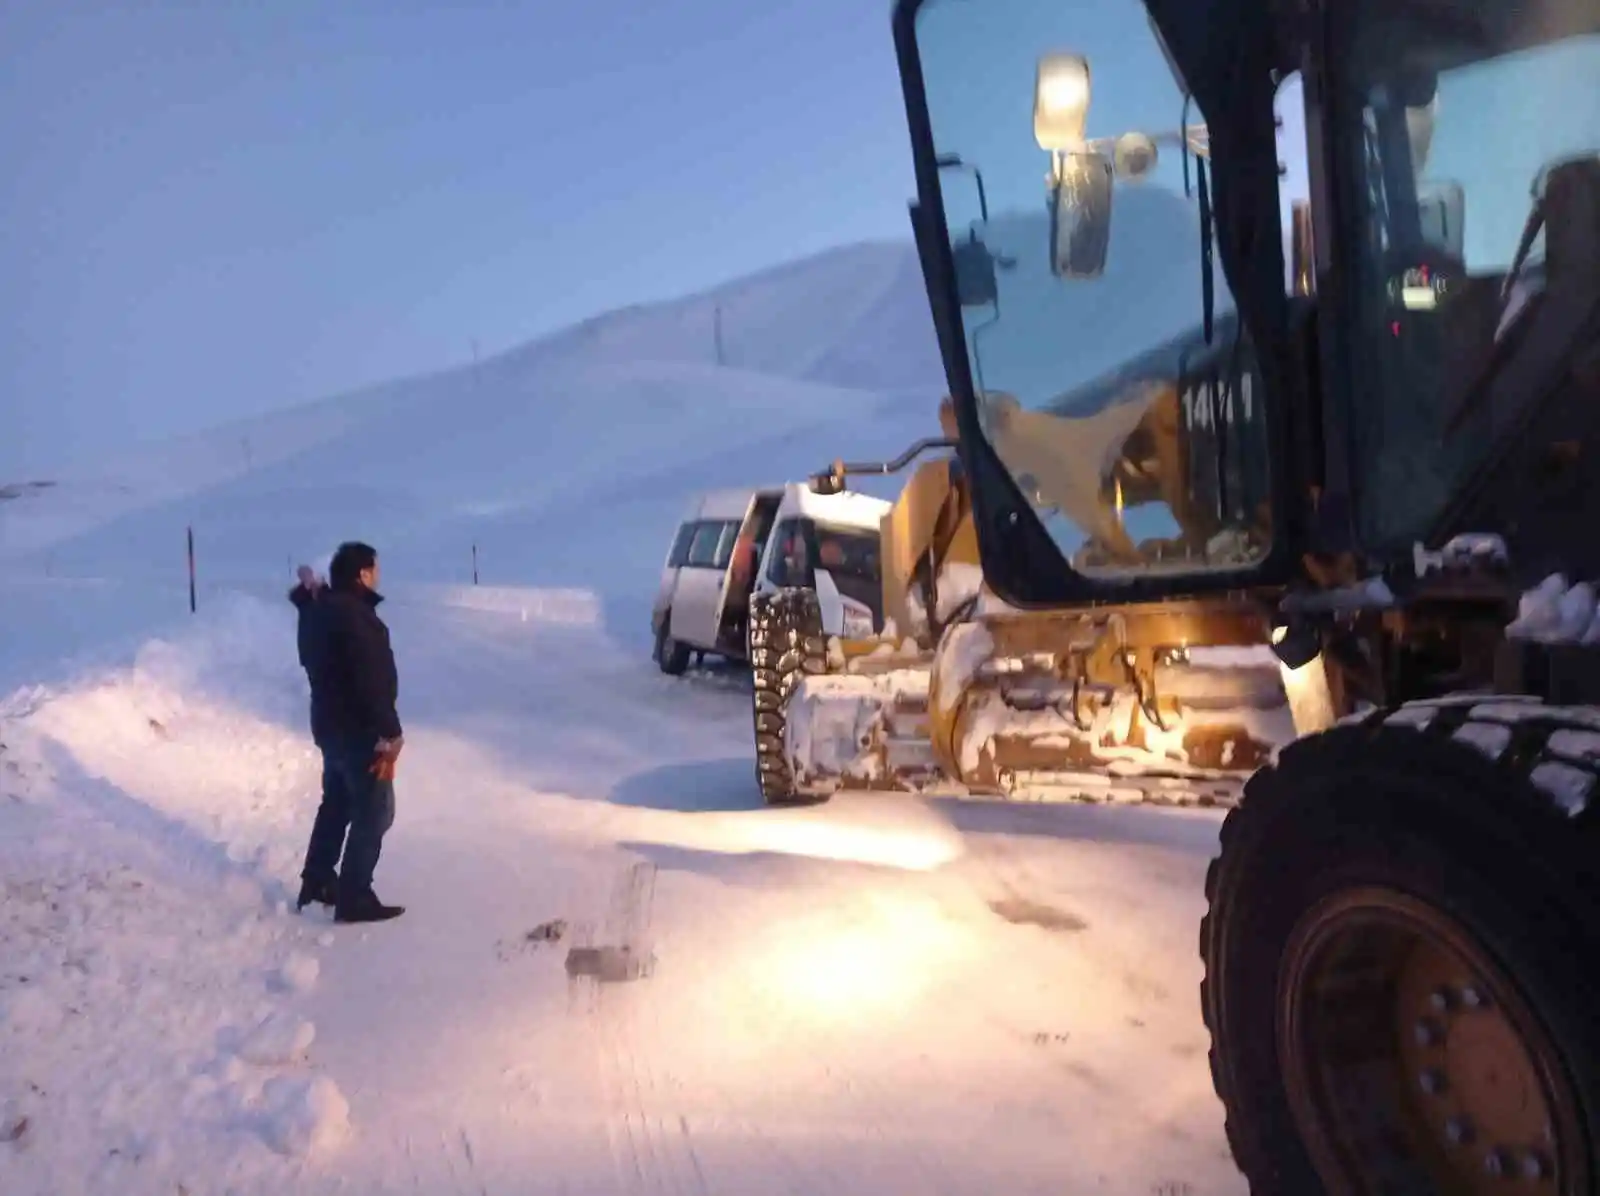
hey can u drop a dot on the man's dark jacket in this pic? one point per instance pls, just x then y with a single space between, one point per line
355 665
313 636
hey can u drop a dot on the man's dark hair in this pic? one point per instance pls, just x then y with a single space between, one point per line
344 571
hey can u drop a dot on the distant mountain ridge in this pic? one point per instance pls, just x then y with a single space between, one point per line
567 460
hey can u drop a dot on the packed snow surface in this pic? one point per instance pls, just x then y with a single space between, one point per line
874 994
877 994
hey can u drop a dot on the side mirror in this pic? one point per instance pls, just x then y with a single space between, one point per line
1080 215
976 285
955 162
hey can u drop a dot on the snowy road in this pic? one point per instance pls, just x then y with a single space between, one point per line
875 995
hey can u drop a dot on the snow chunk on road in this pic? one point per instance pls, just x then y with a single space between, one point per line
298 974
280 1039
304 1115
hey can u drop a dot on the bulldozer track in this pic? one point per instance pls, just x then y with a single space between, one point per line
786 643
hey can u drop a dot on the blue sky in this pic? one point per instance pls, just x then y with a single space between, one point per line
213 209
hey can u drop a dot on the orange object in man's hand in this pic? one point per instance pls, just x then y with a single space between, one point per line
388 753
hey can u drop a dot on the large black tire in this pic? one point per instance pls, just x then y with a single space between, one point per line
1445 808
671 656
786 643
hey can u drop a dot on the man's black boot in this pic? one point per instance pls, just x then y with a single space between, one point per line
323 892
366 908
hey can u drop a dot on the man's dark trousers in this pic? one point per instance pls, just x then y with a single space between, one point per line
328 831
352 797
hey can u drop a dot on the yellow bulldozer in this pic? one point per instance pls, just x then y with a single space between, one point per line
1387 425
1173 702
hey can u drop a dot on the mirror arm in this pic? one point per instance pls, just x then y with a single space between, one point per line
956 162
831 480
1055 220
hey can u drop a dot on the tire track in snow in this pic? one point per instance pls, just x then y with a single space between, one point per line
478 1188
656 1160
694 1183
793 1175
652 1135
621 1111
452 1152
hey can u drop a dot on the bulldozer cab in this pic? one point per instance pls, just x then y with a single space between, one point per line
1152 399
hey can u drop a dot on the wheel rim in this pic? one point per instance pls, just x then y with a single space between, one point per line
1411 1061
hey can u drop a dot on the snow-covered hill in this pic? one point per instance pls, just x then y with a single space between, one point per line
564 460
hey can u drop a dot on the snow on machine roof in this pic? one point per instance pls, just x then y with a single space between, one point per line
845 509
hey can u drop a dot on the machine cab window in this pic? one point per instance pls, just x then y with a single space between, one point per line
1474 164
1112 375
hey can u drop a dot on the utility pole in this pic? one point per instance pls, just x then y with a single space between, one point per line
189 536
721 356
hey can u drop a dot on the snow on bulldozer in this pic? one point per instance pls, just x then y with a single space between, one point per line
1173 702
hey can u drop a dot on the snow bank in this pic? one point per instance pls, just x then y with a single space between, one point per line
149 815
561 607
278 1039
114 1071
199 743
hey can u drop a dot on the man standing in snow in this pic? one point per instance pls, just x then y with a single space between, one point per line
361 735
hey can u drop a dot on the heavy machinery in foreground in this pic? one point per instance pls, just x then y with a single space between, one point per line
1172 703
1407 896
